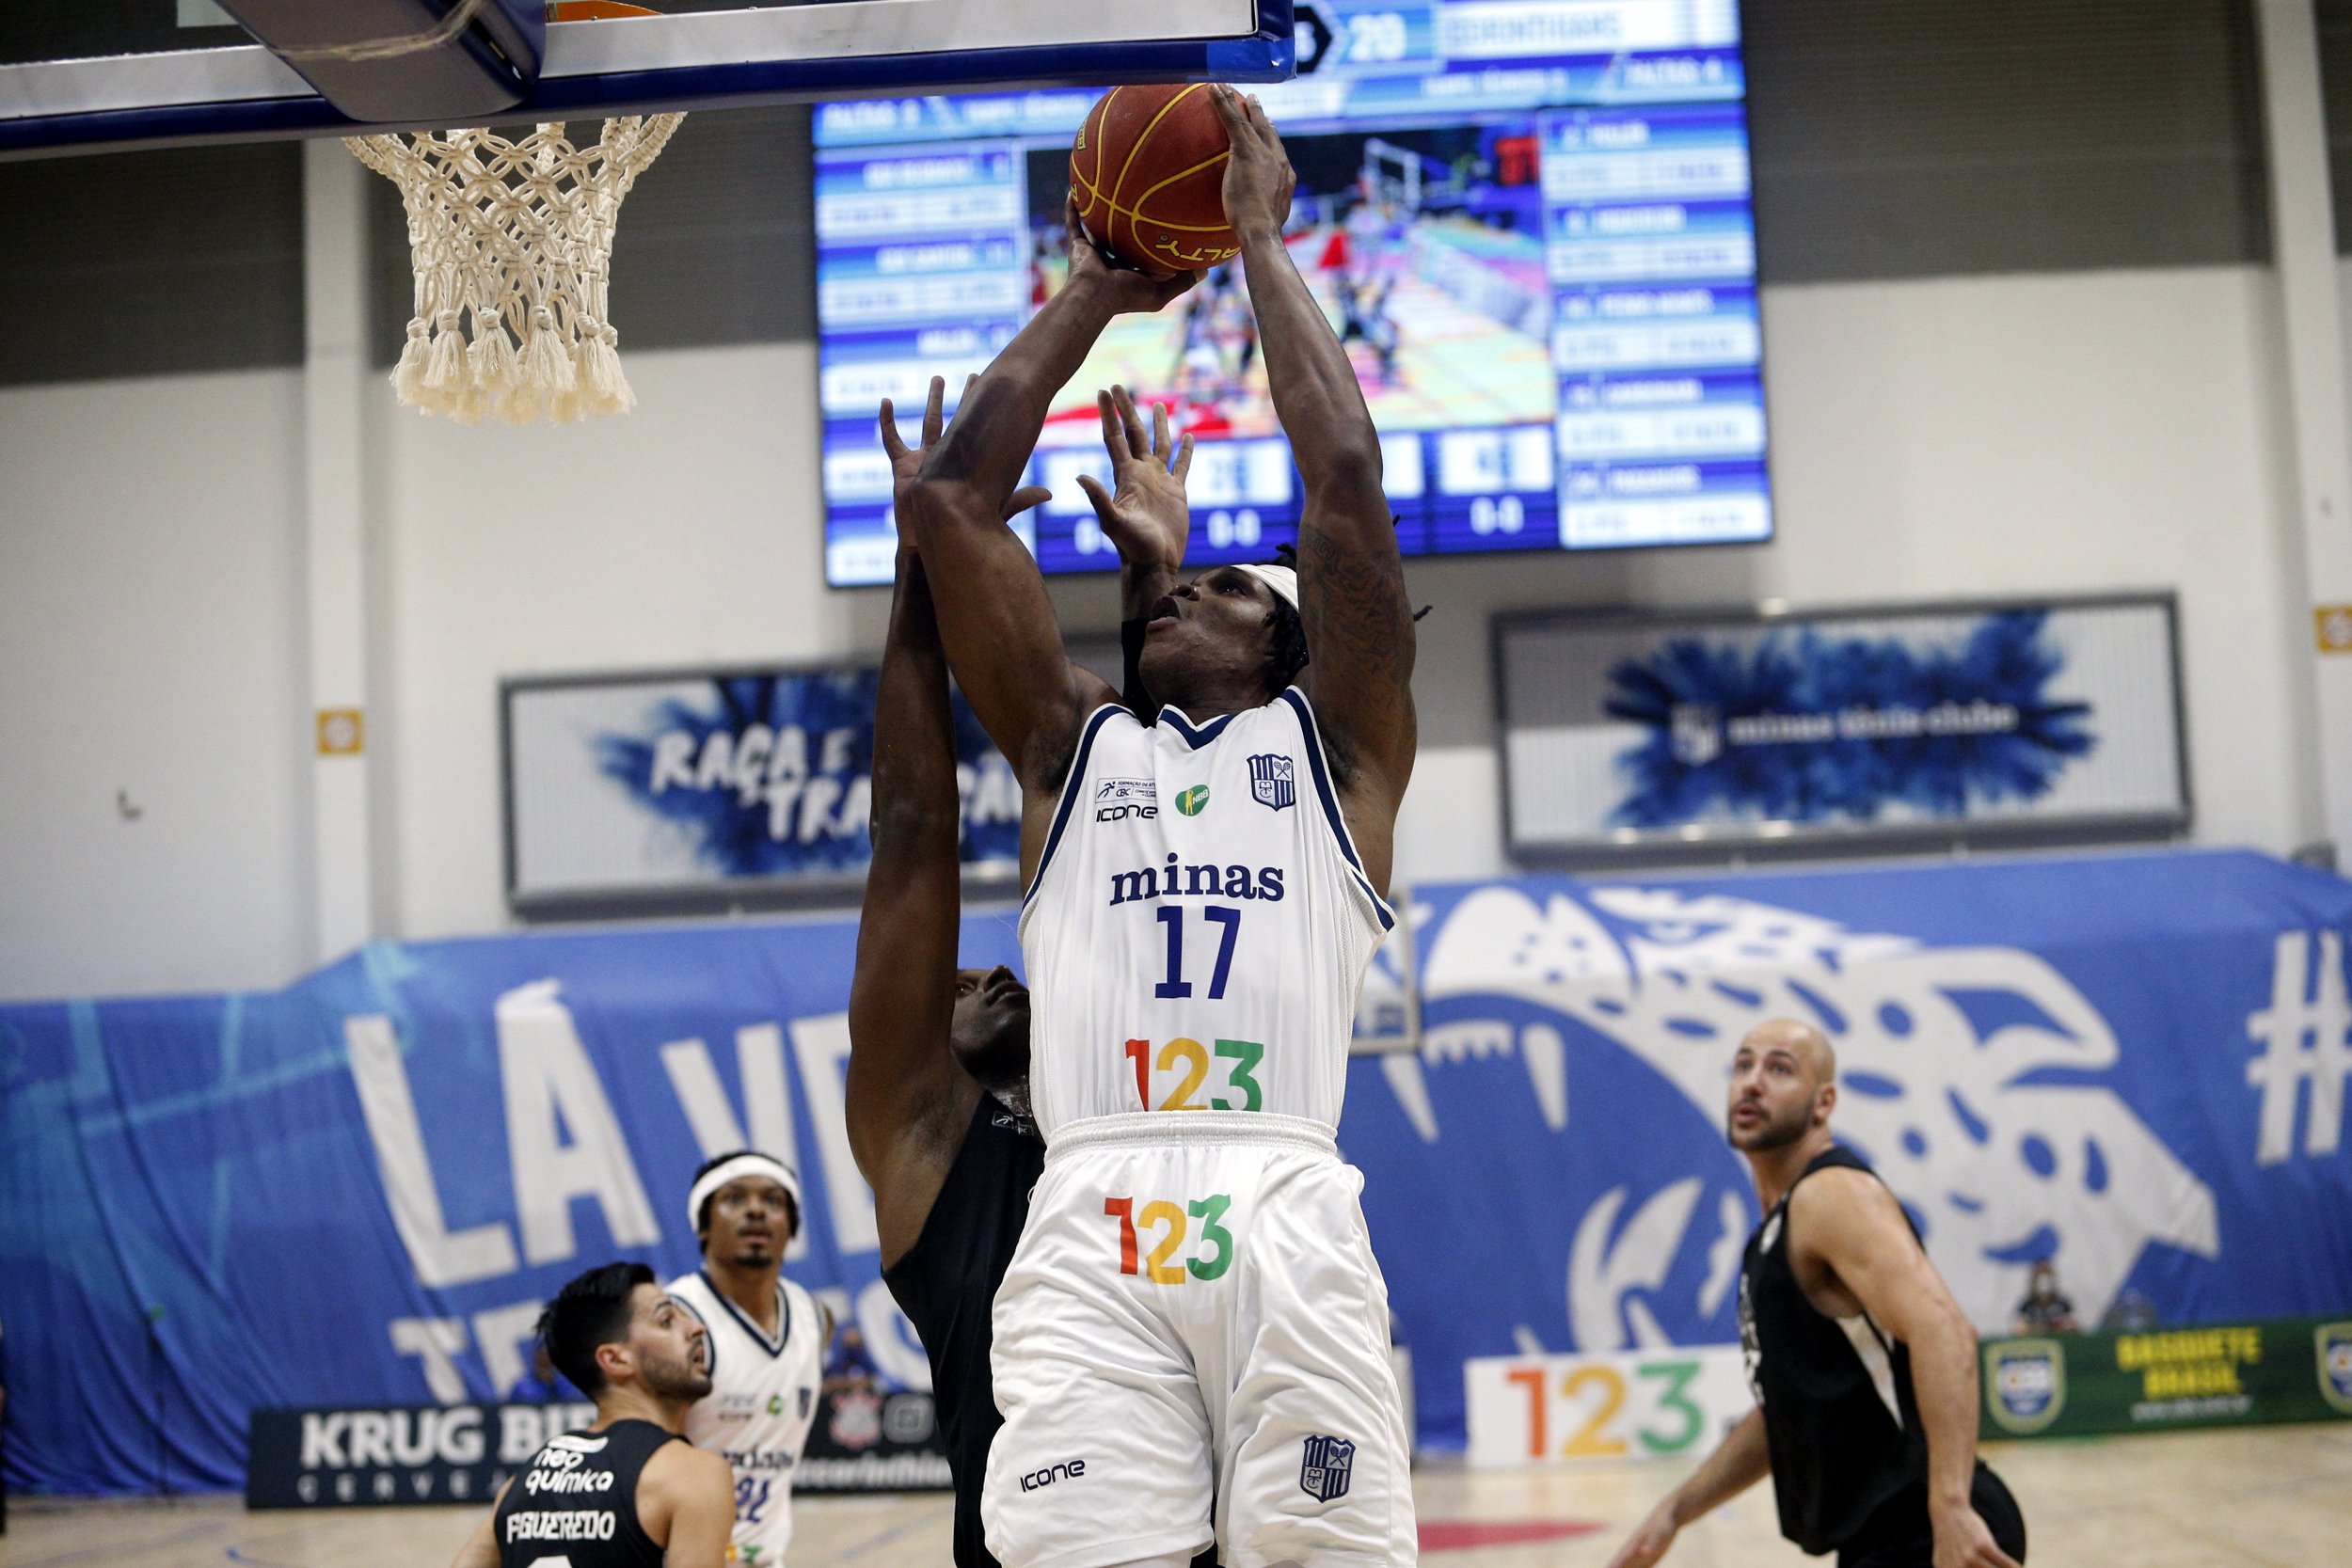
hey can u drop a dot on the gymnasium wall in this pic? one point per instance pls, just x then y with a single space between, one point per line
2022 336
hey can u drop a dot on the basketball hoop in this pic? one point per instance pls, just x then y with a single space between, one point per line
518 235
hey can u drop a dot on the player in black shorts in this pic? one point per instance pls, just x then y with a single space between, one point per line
939 1056
628 1491
1863 1368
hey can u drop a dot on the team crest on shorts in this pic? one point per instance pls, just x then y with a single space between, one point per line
2335 1365
1324 1473
1271 782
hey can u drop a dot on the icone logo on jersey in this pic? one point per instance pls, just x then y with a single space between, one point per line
1193 801
1197 881
1117 799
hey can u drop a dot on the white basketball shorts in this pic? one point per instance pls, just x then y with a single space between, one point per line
1192 1337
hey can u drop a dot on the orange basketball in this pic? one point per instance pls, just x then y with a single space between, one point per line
1148 173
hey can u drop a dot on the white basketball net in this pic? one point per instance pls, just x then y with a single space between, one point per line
517 236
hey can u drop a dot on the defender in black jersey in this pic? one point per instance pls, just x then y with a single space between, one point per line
1863 1368
939 1059
628 1491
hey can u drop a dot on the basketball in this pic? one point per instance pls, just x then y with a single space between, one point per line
1148 173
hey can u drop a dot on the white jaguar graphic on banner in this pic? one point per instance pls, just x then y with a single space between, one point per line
1968 1077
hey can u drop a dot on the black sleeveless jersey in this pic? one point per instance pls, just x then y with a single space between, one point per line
1839 1416
577 1501
947 1286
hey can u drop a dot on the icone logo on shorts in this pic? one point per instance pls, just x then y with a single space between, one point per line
2335 1365
1069 1470
2025 1383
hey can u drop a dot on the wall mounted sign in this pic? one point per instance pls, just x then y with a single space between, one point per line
721 783
2056 719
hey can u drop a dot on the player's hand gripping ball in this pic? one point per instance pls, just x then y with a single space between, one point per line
1147 175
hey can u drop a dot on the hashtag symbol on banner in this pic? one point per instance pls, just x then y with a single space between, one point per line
2306 1037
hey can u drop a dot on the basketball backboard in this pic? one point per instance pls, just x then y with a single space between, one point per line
82 75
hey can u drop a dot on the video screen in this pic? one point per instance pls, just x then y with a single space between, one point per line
1528 221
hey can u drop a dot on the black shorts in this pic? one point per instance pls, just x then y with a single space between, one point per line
1897 1534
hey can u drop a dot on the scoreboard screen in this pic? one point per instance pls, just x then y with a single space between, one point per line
1528 220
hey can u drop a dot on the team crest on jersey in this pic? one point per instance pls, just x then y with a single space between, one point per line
1193 801
1328 1465
2335 1365
1272 780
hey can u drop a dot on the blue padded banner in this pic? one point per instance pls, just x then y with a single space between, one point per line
357 1189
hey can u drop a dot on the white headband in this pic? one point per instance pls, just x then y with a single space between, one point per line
735 1170
1281 581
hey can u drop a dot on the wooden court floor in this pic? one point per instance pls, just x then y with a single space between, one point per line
2263 1497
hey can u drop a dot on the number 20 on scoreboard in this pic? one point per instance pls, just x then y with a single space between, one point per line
1577 1409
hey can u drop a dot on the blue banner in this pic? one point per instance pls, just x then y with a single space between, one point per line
358 1191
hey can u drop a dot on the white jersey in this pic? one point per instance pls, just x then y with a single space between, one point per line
1199 924
762 1395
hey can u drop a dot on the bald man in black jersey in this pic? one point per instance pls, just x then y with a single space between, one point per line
937 1100
628 1492
1864 1367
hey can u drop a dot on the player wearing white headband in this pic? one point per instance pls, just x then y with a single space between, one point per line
767 1340
1192 1338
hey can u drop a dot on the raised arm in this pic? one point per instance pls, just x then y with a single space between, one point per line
1852 1222
907 1100
1351 578
1145 516
995 620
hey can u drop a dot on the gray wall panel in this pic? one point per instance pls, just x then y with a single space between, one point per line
1898 138
151 263
2334 19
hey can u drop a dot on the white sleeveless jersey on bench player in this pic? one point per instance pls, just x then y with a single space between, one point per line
1199 924
762 1395
1193 1335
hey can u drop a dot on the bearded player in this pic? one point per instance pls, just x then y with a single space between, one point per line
767 1339
1862 1366
623 1493
1193 1334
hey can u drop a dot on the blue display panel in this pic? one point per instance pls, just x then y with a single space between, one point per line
1529 220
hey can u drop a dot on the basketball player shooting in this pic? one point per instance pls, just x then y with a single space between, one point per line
1864 1367
767 1339
938 1089
1192 1338
626 1493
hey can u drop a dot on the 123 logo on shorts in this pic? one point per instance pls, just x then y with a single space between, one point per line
1326 1469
